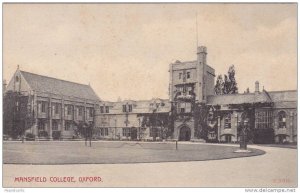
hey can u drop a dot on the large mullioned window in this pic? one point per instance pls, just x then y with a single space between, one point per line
263 119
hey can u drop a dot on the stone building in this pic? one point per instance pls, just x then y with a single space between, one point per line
57 106
131 120
272 116
190 82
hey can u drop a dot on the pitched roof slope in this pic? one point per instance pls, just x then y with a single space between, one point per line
57 86
261 97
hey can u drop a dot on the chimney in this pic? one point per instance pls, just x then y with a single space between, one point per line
256 87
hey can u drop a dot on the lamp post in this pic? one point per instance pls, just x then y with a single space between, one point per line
139 131
243 140
115 136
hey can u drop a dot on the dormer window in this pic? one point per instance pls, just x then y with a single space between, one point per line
17 78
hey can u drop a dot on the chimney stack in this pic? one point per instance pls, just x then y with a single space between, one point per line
256 87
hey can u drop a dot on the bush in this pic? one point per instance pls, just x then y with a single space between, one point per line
43 134
29 137
56 135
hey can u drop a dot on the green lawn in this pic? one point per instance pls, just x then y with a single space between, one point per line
105 152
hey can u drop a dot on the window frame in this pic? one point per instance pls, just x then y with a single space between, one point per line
282 119
227 121
188 75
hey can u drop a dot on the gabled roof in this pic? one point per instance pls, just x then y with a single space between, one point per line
56 86
261 97
279 96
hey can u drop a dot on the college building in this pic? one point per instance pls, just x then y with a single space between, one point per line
272 114
192 113
52 108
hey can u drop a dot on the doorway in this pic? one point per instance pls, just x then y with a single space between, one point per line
185 134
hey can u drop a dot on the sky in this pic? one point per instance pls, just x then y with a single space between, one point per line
124 50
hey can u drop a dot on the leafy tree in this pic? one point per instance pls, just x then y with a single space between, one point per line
219 85
200 115
18 115
228 85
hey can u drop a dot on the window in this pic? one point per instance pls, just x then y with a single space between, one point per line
180 75
90 112
69 110
104 131
41 126
182 110
80 111
17 105
188 107
282 119
126 132
106 109
227 121
124 108
184 107
101 109
67 126
184 89
17 79
263 119
56 108
188 75
129 108
43 107
54 126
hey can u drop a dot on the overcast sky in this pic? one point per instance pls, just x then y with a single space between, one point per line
124 50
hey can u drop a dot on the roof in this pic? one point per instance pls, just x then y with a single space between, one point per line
141 106
279 96
261 97
56 86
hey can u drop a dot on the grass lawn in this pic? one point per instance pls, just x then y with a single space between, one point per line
106 152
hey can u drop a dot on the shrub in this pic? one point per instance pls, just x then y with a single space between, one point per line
29 136
43 134
56 135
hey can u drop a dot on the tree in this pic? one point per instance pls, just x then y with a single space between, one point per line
219 85
200 115
18 115
228 85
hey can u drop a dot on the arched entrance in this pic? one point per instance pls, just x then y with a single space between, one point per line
185 134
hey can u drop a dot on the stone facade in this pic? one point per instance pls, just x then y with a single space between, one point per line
129 120
59 106
56 111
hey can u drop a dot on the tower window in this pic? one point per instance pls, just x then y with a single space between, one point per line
182 110
188 75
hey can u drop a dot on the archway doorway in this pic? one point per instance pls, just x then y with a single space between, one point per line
185 134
